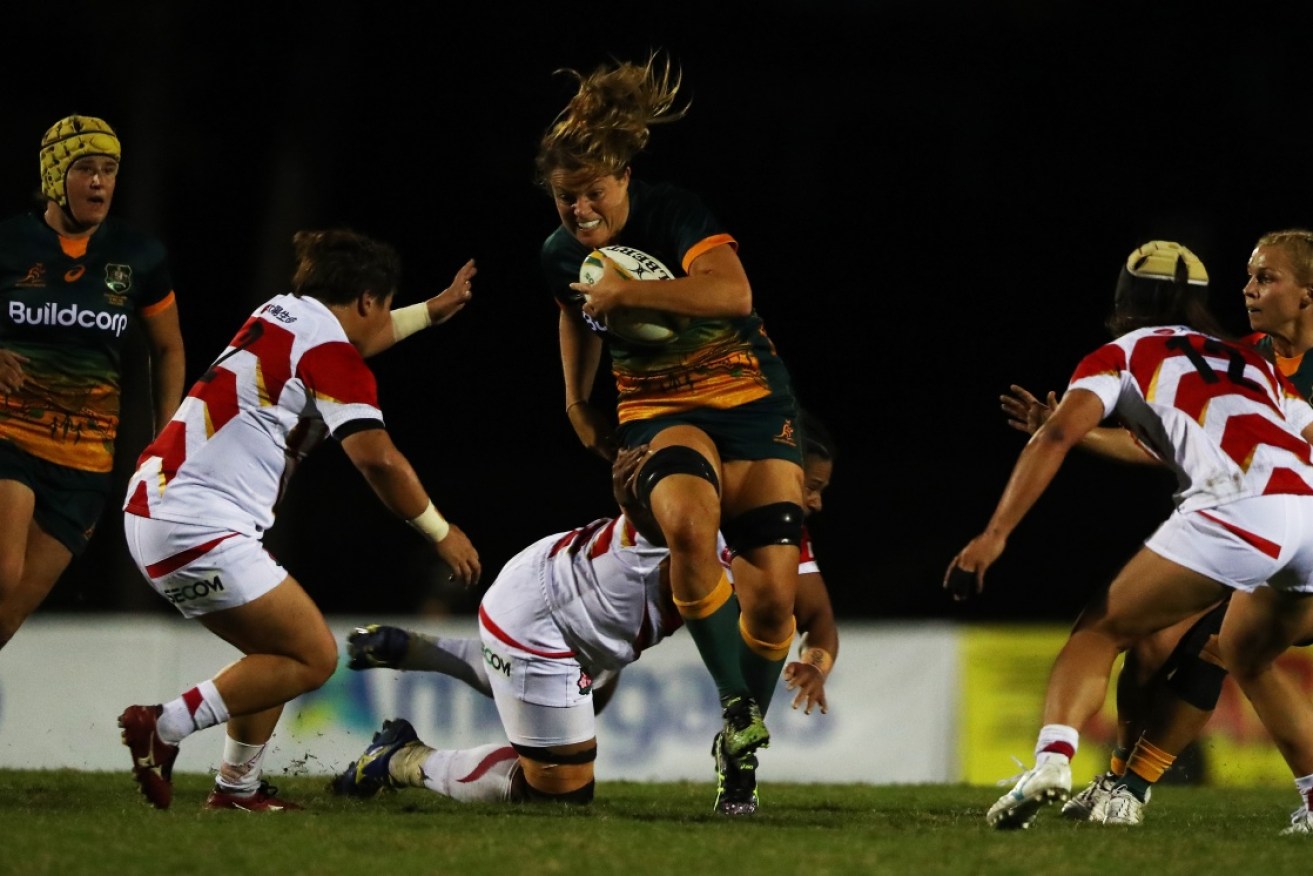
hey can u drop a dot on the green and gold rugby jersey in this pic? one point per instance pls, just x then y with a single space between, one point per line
711 363
1299 370
66 305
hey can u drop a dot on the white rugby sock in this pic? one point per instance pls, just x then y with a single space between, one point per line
196 709
460 658
242 766
471 775
1056 740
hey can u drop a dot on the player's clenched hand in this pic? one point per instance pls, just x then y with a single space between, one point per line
1025 412
979 554
458 553
11 370
451 300
809 683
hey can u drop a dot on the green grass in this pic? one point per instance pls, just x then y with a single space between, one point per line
66 822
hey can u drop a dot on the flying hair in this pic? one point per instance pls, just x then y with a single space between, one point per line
609 119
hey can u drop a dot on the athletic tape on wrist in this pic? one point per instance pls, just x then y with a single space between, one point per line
431 524
410 319
820 658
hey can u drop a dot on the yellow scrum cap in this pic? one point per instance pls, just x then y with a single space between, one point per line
66 141
1166 260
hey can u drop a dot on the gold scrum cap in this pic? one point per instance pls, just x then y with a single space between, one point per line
66 141
1166 260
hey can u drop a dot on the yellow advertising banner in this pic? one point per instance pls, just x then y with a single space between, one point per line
1004 673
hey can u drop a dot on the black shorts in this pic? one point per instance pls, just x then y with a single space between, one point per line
764 429
69 502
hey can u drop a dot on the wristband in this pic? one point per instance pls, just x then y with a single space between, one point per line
818 657
410 319
431 524
578 401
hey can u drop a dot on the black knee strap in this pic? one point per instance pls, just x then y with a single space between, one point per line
779 523
1197 682
675 459
1195 638
547 755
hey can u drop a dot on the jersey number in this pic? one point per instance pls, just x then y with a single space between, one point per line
1235 368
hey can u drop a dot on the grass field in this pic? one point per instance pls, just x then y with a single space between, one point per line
68 823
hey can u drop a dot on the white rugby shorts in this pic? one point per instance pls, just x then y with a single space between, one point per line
543 695
1245 543
200 569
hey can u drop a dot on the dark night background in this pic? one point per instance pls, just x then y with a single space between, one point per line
932 201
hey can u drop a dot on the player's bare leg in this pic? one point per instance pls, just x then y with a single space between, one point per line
31 561
288 650
1149 593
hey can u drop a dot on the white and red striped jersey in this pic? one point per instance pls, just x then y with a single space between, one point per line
602 585
289 377
1220 416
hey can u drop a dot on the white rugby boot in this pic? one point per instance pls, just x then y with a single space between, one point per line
1122 807
1301 822
1089 804
1047 782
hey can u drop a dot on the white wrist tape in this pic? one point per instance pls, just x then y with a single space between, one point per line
410 319
432 524
818 657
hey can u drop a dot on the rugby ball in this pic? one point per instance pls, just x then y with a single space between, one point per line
638 325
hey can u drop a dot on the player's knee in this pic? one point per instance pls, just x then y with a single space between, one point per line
11 572
527 793
675 459
320 665
550 776
1200 639
1197 682
779 523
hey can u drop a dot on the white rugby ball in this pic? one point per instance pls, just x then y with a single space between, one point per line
639 325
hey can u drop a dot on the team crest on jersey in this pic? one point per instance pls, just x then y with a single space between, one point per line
585 683
787 435
35 278
118 277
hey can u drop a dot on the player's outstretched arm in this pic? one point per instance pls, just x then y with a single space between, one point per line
820 644
452 300
1026 413
435 311
1079 411
395 483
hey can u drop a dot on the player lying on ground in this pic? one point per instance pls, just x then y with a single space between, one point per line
621 571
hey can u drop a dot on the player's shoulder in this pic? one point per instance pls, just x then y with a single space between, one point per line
25 226
303 315
123 237
662 198
562 244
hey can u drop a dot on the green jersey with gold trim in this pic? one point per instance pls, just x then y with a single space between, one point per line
711 363
66 306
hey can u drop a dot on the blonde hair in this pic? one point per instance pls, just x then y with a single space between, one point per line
609 119
1298 246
